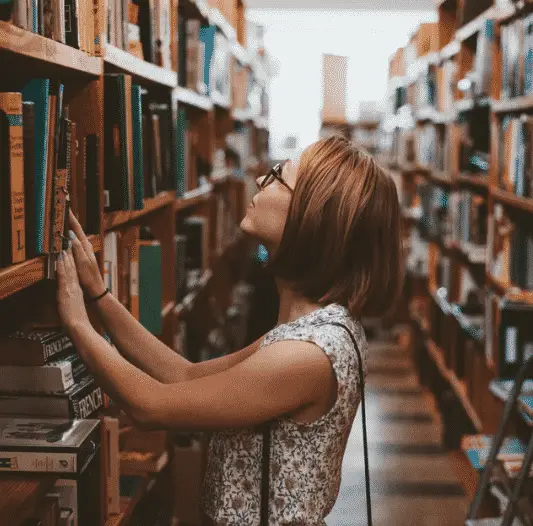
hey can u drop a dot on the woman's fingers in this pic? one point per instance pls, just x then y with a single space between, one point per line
79 233
60 271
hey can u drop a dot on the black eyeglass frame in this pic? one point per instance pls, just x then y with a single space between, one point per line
275 173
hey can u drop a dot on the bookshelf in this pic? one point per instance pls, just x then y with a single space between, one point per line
203 91
467 209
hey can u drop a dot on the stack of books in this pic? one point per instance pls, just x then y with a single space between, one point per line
42 375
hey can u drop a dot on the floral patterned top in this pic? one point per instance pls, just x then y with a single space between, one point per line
305 458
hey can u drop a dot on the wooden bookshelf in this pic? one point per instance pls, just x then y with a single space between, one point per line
516 104
208 120
441 178
141 71
473 27
21 494
514 201
116 219
46 54
191 98
478 182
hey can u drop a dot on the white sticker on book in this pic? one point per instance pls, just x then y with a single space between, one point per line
511 343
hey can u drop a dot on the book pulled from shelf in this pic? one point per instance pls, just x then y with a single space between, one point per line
79 401
477 449
47 445
34 347
53 377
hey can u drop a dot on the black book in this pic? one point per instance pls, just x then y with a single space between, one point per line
71 24
28 119
92 184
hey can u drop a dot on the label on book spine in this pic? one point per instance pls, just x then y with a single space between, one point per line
37 461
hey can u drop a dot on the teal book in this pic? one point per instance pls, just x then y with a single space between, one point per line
207 36
138 159
37 91
150 286
478 448
181 155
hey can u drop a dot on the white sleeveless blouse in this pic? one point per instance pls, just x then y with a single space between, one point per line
305 458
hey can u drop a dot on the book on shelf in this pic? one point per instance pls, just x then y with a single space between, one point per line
47 445
150 285
110 446
81 400
128 278
477 448
482 72
196 229
512 38
111 262
53 377
515 340
13 246
34 347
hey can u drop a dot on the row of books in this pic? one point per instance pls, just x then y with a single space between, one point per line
517 57
515 174
143 29
469 223
75 23
511 243
474 142
139 158
39 155
481 73
433 147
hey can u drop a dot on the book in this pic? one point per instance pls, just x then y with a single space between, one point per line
477 449
137 139
28 122
13 249
150 286
53 377
34 347
47 445
92 184
112 465
80 401
37 91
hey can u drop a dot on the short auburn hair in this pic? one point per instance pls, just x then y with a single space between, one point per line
341 241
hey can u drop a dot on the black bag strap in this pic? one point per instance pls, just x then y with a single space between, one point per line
266 443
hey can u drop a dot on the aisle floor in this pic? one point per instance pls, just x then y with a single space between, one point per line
412 480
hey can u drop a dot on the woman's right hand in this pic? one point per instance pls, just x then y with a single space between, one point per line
86 263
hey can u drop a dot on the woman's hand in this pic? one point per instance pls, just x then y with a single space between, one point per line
86 264
69 294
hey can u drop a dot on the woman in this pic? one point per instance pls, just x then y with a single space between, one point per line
331 226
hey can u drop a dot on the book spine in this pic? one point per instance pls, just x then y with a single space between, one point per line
137 138
111 451
71 24
60 194
28 113
87 401
69 137
11 104
49 174
37 462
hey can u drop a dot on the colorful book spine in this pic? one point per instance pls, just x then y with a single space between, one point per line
138 169
14 248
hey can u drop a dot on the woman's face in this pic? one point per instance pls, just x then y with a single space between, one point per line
266 216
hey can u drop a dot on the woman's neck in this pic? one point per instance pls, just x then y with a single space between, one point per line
291 304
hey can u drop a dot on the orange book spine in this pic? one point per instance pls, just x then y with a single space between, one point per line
11 104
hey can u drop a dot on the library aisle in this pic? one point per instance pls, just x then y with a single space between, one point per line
412 477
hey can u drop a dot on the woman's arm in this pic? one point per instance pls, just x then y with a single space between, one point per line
139 345
279 379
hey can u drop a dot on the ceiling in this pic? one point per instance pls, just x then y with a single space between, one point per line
367 5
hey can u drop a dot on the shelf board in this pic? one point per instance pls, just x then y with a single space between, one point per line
186 305
512 200
440 178
141 71
191 98
508 290
457 385
57 56
220 102
192 198
450 50
21 494
127 505
151 204
167 309
474 26
465 105
479 182
413 169
512 105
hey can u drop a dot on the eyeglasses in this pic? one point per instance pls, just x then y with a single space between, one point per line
275 173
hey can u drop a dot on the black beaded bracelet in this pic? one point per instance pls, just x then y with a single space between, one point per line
91 300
